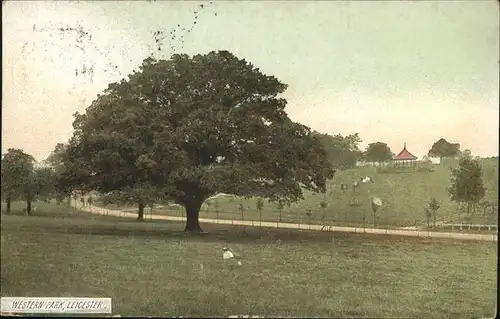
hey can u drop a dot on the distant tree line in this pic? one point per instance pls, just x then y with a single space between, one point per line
343 152
23 181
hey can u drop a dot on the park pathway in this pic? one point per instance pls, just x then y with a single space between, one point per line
397 232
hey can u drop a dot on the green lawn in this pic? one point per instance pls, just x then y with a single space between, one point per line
404 195
154 269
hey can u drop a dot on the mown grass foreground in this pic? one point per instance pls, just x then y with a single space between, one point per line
153 269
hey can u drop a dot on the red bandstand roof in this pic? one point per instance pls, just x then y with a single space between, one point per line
404 155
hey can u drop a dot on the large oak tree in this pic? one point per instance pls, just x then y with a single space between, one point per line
192 127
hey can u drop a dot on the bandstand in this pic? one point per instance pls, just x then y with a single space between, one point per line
404 159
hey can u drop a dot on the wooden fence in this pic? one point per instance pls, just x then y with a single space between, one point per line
463 226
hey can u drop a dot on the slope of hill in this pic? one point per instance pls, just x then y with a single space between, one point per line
404 196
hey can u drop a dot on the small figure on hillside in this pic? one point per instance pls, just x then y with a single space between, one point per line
376 204
355 186
366 179
344 186
228 255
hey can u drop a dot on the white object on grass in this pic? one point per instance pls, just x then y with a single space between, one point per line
376 201
229 255
366 179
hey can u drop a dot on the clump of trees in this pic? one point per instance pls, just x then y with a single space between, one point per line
187 128
342 151
443 149
23 181
377 152
466 185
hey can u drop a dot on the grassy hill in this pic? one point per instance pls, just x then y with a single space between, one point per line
404 196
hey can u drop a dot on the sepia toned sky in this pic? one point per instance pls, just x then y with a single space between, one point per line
394 72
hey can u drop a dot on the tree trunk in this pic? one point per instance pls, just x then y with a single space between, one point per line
28 207
140 217
192 217
8 204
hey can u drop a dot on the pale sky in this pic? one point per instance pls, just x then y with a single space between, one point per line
392 71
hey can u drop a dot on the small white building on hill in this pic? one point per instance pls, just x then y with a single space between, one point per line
432 160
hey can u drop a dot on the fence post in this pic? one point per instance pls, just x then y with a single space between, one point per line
461 225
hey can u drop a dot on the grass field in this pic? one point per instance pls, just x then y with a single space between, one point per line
404 196
154 269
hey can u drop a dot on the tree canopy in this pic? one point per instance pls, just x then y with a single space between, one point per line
467 181
21 180
191 127
377 152
443 148
39 185
17 168
342 152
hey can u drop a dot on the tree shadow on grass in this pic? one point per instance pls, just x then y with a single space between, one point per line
165 230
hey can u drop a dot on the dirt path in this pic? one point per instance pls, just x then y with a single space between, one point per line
397 232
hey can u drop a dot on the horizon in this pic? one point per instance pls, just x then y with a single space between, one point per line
394 72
